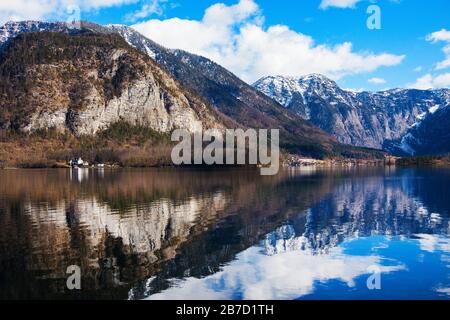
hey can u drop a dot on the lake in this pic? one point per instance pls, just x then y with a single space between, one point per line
372 233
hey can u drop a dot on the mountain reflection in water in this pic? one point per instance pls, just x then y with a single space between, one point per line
225 234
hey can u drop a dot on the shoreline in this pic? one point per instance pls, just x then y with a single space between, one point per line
309 164
285 161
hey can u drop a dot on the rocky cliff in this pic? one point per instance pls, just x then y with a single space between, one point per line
84 82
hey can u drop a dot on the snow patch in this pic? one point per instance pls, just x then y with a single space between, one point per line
405 146
435 108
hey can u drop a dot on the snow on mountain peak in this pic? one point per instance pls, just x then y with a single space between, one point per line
284 88
280 88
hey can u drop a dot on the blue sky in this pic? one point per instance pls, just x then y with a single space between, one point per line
291 37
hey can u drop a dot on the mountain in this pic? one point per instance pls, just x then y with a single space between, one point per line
371 119
236 99
431 136
86 82
238 104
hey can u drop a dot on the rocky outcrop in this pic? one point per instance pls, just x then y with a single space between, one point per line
87 81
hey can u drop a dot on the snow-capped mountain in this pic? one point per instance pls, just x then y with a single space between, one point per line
387 119
296 92
284 89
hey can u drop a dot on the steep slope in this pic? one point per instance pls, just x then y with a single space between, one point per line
429 137
86 82
238 104
371 119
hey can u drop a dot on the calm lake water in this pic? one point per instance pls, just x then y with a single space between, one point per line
225 234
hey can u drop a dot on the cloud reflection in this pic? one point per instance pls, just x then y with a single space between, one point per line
259 273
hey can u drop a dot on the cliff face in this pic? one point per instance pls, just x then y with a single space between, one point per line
87 81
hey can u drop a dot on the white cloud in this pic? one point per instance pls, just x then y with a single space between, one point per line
235 37
338 3
444 64
429 81
18 10
442 36
418 69
148 8
377 81
442 80
356 90
49 9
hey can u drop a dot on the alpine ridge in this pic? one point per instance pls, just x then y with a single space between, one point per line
390 120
